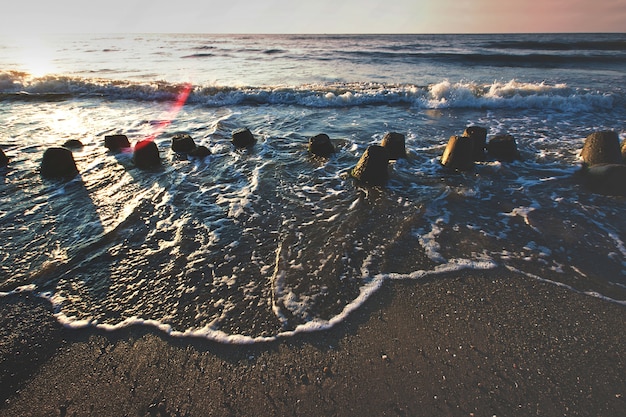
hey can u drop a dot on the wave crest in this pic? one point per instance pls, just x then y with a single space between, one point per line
445 94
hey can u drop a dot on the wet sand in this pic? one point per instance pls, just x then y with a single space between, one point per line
479 343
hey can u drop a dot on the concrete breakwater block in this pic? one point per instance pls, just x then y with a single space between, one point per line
478 136
116 143
503 148
609 179
372 168
458 154
394 142
601 148
243 138
183 143
58 162
321 145
146 155
4 160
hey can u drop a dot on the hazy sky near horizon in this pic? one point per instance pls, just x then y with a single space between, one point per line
318 16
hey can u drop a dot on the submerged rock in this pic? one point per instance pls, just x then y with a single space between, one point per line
394 143
601 148
607 179
200 152
73 144
146 154
372 168
321 145
503 148
4 160
116 143
458 154
183 143
243 138
478 136
58 162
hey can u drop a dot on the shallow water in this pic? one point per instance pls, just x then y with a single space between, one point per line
248 245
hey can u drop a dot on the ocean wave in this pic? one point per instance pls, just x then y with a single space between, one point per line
555 45
537 58
202 55
513 94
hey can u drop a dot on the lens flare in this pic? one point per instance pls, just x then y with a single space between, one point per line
181 99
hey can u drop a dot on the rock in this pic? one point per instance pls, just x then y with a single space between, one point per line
243 138
394 143
321 145
624 151
503 148
200 152
73 144
601 148
58 163
373 165
607 179
478 136
4 160
183 143
116 143
458 154
146 154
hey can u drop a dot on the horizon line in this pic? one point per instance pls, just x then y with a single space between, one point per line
14 33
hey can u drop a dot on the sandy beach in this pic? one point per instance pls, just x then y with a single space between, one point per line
479 343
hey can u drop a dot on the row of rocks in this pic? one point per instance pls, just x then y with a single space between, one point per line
603 170
58 162
604 162
460 154
463 151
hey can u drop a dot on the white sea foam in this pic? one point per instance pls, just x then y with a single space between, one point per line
524 212
444 94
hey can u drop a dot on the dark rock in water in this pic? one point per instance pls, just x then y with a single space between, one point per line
478 136
607 179
58 163
146 154
373 165
200 152
394 143
458 154
183 143
503 148
601 148
4 160
73 144
321 145
116 142
243 138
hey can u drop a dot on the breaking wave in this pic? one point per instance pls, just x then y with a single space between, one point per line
513 94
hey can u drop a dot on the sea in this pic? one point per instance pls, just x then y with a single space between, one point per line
246 246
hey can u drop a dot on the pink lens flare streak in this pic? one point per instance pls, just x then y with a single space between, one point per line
181 99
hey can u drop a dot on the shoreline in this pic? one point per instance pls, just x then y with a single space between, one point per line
463 343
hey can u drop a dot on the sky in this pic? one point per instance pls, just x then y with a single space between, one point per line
313 16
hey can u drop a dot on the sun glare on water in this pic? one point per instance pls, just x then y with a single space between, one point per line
35 56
